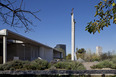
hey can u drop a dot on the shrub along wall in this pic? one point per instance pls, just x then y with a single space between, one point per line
41 65
105 64
70 65
25 65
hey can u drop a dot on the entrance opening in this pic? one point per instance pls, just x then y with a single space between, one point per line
1 53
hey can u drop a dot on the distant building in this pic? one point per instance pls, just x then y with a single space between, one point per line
98 50
62 46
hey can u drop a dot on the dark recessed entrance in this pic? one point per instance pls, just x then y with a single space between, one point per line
1 53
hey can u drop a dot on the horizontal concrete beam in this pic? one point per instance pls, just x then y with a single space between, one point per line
3 32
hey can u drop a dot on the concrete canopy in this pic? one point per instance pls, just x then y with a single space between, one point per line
14 36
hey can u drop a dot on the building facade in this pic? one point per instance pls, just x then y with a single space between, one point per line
15 46
61 46
98 50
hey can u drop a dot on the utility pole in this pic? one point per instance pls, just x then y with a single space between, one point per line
72 36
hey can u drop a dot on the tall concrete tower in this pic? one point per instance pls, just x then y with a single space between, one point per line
72 35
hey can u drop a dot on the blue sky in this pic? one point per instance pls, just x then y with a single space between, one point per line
55 25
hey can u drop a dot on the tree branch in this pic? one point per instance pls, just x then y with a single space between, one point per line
5 6
12 16
29 12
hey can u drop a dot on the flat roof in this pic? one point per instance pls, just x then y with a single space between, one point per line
15 36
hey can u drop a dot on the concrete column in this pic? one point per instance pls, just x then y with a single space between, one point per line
4 49
73 36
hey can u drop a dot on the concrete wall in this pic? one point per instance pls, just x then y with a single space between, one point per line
46 53
20 51
34 52
15 50
29 52
11 51
24 52
41 53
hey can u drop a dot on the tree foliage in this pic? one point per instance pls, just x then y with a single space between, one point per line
12 15
105 13
80 53
82 50
68 57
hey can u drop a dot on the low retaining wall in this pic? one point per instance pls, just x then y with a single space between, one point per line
61 72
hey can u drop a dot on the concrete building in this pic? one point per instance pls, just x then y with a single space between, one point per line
98 50
15 46
62 46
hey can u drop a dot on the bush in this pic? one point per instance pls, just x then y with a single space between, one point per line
25 65
114 60
39 64
61 65
69 65
105 64
13 65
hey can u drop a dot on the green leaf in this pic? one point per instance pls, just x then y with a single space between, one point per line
114 21
96 14
106 25
96 6
113 4
103 6
104 13
99 31
105 0
114 10
86 29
